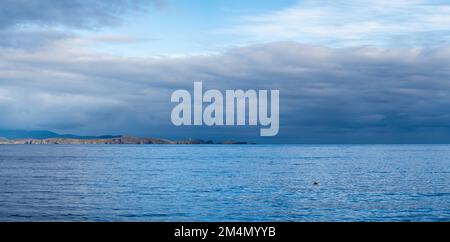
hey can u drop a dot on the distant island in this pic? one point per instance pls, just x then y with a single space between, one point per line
21 137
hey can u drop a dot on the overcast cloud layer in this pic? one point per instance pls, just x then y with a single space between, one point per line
51 78
327 95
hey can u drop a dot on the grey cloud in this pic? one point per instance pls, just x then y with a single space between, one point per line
36 24
69 13
328 95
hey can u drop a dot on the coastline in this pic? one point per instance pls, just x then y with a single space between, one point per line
115 141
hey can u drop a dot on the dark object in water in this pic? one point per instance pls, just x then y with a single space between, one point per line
316 183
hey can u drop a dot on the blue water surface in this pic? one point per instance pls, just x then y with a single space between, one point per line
224 183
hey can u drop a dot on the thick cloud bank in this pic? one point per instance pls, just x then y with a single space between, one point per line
328 95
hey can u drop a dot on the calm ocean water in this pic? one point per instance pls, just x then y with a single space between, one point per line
225 182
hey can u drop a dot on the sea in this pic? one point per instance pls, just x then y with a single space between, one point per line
224 183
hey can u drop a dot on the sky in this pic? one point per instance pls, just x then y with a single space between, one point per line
372 71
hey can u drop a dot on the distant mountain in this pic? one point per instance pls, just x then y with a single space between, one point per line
45 134
117 140
75 141
48 137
